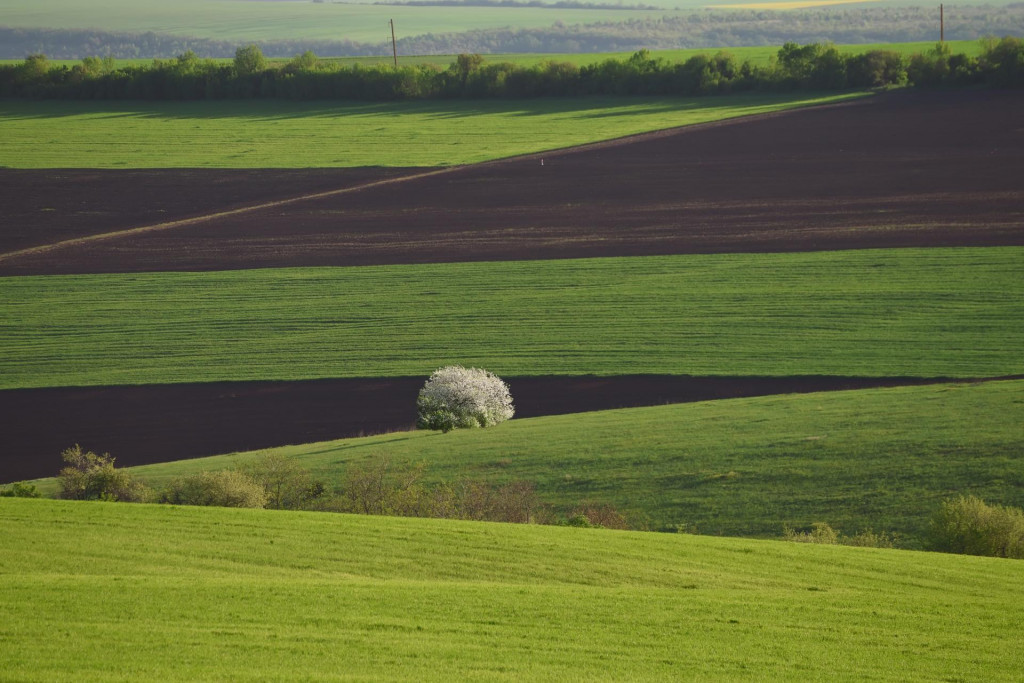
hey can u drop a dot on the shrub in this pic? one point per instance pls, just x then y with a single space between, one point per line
19 490
601 516
225 488
514 502
824 534
375 489
93 477
820 533
289 486
379 488
969 526
456 397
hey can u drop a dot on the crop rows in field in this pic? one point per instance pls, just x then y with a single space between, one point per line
259 595
937 312
285 134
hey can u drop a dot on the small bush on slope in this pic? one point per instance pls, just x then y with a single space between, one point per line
226 488
93 477
824 534
289 486
969 526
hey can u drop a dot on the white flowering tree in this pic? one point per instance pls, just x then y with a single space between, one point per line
455 397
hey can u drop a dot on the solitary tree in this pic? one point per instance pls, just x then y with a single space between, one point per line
249 60
455 397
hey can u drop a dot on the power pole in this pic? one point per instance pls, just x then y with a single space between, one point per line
394 46
942 25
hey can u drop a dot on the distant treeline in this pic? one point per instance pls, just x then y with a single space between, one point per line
536 4
809 67
706 29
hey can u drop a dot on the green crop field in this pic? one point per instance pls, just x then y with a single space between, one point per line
232 20
113 591
280 134
955 312
880 459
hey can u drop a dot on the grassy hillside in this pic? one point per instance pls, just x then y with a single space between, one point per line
97 591
879 458
282 134
930 312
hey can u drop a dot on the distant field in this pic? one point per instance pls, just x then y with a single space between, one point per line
232 20
757 55
917 312
874 458
280 134
118 591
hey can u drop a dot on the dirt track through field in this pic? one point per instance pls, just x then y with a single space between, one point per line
158 423
896 170
208 217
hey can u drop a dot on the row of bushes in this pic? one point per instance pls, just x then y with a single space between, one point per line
965 525
809 67
377 488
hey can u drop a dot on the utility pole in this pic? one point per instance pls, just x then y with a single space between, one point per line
942 25
394 45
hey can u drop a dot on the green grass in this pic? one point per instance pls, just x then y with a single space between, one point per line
282 134
882 459
955 312
108 591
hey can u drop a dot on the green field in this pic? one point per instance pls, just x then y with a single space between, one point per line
280 134
918 312
232 20
880 459
111 591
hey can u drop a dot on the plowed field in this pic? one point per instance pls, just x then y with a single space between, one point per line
905 169
158 423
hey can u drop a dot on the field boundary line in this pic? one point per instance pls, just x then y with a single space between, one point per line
167 225
550 153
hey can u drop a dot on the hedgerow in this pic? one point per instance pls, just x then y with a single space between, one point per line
814 66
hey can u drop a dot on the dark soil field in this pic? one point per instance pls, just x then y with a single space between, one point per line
158 423
47 206
903 169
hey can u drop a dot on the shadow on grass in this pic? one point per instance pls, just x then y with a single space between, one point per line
280 110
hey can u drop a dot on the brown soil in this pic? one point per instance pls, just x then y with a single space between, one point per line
53 205
158 423
897 170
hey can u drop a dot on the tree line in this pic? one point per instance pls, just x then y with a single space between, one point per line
815 66
703 29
